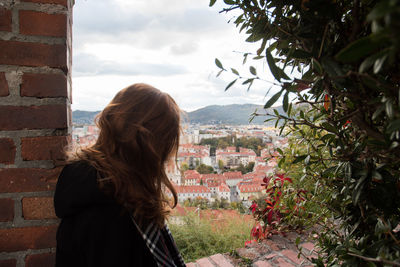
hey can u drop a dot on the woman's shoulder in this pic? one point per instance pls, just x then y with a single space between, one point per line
78 165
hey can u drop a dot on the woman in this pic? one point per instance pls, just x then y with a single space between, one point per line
110 196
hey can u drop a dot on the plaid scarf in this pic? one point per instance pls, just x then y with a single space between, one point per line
161 245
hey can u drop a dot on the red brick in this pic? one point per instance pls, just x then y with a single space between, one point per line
5 20
40 260
58 2
43 148
44 85
7 151
38 208
33 117
292 255
247 253
262 264
220 260
6 209
8 263
309 246
28 180
39 23
3 85
272 245
17 239
282 263
270 256
204 262
33 54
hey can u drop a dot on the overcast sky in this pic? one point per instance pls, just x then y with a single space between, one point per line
170 44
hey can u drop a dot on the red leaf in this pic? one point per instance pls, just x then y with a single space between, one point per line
327 102
269 217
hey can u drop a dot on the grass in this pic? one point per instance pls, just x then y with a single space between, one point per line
197 238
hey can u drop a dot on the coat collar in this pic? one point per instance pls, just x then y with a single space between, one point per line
161 245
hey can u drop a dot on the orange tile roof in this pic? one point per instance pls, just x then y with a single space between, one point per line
192 189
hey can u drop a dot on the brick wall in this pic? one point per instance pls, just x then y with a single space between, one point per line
35 93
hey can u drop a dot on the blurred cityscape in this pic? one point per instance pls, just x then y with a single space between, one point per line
223 163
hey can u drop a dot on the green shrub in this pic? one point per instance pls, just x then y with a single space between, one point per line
198 238
339 59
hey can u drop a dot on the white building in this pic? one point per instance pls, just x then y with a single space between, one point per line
193 192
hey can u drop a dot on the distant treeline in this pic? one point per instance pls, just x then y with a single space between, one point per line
254 143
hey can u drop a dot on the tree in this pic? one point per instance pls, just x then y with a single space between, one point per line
203 168
223 143
339 61
224 204
220 164
245 169
184 167
250 167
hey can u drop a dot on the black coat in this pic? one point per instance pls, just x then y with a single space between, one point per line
94 231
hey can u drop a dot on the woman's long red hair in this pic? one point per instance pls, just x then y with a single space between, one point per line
139 133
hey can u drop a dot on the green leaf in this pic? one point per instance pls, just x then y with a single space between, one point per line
378 112
218 63
356 195
379 11
234 71
281 161
355 251
381 228
286 102
359 49
307 160
327 137
253 70
379 63
316 66
275 70
289 112
247 81
389 108
329 127
229 2
255 37
300 54
258 57
279 150
299 159
230 84
212 2
394 145
371 60
376 175
276 123
332 67
262 47
367 63
245 56
273 99
393 126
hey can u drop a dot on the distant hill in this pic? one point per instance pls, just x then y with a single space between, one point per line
83 117
229 114
215 114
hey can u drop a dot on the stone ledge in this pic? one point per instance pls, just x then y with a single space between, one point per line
272 252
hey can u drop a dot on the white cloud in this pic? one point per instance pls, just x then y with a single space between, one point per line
168 44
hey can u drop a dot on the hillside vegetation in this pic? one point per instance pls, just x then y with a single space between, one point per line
234 114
